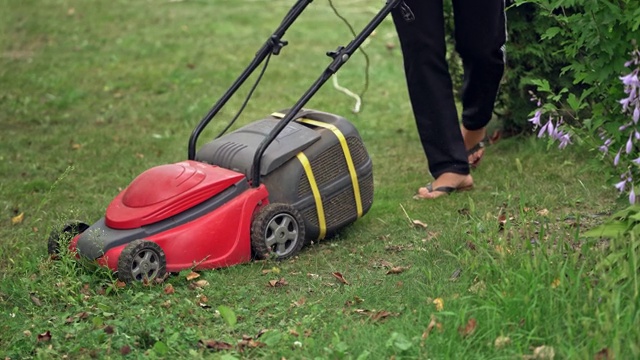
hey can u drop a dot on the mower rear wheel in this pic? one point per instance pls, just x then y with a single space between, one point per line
63 235
140 260
277 230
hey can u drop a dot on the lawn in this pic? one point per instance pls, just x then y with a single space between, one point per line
95 92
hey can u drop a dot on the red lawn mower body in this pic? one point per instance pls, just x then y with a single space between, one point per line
216 239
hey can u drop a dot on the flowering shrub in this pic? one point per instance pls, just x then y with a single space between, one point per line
627 157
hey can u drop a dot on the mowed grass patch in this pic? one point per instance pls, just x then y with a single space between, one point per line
96 92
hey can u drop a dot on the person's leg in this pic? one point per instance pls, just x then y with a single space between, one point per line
431 94
480 33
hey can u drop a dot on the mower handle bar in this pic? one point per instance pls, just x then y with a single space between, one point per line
273 45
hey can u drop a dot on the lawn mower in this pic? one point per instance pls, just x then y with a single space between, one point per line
262 191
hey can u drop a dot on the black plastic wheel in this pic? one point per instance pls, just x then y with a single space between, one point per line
141 260
277 230
63 235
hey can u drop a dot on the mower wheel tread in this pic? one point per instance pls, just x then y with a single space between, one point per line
140 260
277 231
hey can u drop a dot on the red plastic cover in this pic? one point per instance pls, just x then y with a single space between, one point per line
167 190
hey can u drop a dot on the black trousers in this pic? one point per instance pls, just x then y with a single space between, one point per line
480 35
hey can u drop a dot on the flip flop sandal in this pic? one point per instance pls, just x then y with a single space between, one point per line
478 148
448 190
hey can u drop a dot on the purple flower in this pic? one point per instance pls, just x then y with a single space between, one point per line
550 128
631 79
543 129
636 114
535 120
632 196
625 104
616 159
565 140
629 146
621 185
636 161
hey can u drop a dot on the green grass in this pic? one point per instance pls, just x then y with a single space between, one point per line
95 92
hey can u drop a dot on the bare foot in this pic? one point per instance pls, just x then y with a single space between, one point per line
445 184
472 140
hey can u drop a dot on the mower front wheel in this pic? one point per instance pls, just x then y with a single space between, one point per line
277 230
63 235
140 260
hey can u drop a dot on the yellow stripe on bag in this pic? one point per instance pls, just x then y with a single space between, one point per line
345 150
322 224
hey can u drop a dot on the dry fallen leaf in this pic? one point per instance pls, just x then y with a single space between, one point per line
201 283
555 283
604 354
501 341
469 328
397 269
418 223
544 353
430 327
250 343
125 350
46 336
543 212
35 300
300 302
278 283
169 289
439 304
340 278
215 345
381 315
120 284
192 275
76 146
17 219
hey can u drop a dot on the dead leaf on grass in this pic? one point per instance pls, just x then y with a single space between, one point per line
398 269
541 353
381 315
125 350
278 283
555 283
169 289
419 224
250 343
430 327
35 300
543 212
120 284
192 275
469 328
300 302
79 316
439 303
201 283
604 354
215 345
45 336
340 278
501 341
17 219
